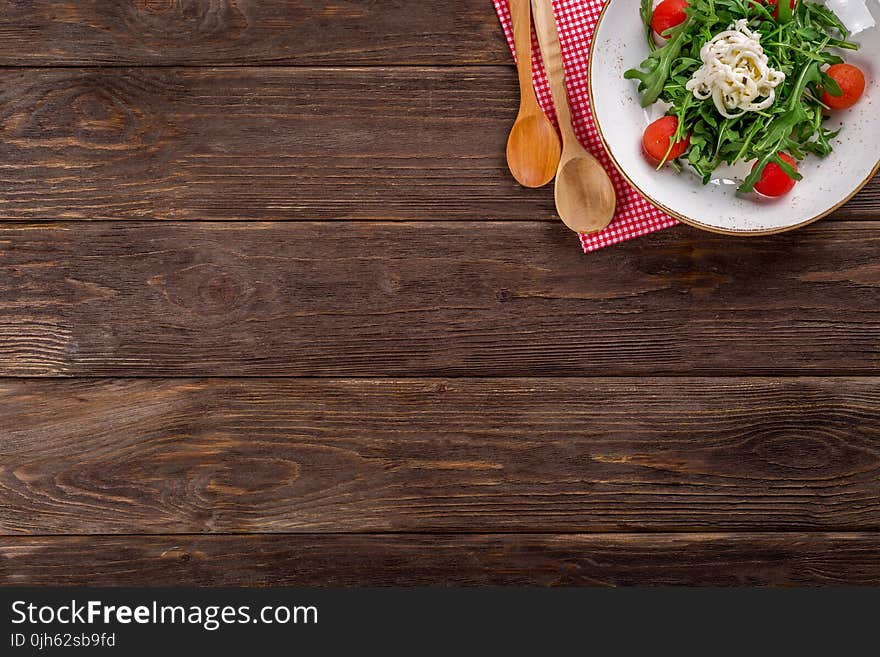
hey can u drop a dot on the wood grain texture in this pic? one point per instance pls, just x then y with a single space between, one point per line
236 32
268 143
561 455
260 143
764 559
447 299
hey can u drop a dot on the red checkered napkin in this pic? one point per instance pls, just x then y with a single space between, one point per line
576 20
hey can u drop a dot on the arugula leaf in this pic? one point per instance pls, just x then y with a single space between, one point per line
785 13
777 133
658 65
647 13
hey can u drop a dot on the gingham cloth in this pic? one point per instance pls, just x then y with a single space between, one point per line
576 20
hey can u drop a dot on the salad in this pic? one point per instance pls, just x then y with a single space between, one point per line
744 81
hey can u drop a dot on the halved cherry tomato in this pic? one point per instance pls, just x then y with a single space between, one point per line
774 181
668 14
657 136
851 81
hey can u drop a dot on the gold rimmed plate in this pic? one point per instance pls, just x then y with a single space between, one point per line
619 44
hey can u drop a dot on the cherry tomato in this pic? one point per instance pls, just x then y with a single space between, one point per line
774 181
656 140
851 81
668 14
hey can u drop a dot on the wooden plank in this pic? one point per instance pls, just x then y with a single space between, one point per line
268 143
763 559
432 299
224 32
260 143
562 455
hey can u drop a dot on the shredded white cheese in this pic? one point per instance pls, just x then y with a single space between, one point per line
735 73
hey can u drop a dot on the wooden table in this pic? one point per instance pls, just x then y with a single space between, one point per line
272 312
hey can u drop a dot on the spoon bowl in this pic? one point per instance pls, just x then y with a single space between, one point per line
533 150
585 198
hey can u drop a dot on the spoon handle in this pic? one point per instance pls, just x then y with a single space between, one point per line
521 17
551 52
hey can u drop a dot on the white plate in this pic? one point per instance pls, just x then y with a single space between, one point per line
619 44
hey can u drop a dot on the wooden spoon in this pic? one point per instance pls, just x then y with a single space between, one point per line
533 147
585 197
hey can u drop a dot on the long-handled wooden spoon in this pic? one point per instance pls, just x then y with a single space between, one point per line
533 147
585 197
